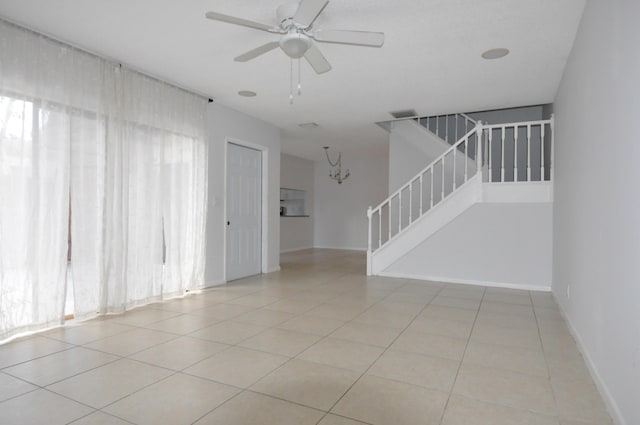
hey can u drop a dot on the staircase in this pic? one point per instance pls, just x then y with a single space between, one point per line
502 170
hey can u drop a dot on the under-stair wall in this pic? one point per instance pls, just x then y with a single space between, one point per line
495 244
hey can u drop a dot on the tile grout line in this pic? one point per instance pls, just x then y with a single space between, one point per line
546 361
324 337
243 390
464 352
386 349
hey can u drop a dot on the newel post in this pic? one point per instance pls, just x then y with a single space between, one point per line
479 148
552 147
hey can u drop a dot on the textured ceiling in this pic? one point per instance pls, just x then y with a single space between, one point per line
430 61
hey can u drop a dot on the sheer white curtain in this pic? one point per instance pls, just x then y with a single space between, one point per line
154 197
39 81
124 154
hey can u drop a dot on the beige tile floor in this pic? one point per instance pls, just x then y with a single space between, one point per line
316 343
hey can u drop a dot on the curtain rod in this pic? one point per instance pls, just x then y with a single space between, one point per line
111 61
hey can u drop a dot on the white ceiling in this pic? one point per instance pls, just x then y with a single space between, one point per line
430 61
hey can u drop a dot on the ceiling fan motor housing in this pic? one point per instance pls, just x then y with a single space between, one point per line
295 44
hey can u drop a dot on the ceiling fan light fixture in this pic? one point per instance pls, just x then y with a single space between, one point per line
495 53
295 44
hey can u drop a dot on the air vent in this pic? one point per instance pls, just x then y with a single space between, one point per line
407 113
309 125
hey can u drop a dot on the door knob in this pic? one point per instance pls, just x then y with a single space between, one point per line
228 223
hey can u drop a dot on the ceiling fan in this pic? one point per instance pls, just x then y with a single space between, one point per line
295 24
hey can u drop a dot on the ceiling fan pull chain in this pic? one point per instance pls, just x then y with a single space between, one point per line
299 79
291 84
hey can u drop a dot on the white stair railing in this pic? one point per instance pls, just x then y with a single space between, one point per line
519 152
499 153
449 126
426 189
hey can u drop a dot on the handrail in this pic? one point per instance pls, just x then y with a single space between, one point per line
420 117
463 115
515 124
425 169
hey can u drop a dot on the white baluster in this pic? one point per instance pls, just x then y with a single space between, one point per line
515 153
431 192
389 203
552 147
420 213
369 214
446 128
528 152
490 155
454 167
442 194
503 130
479 151
379 227
466 158
410 201
400 211
541 152
457 127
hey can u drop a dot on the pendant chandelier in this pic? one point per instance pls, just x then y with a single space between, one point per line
336 173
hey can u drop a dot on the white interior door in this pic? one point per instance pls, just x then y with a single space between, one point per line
244 212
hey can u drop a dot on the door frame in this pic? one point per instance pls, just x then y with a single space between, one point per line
265 186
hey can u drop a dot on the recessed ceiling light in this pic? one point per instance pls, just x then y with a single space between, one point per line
247 93
309 125
495 53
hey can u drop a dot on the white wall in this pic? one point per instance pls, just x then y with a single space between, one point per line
297 232
223 124
597 199
490 243
341 209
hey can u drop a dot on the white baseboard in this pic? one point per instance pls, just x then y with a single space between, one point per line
272 269
608 399
342 248
506 285
213 283
302 248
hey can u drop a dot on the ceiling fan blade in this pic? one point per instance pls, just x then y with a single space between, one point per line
317 61
358 38
308 12
239 21
257 52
